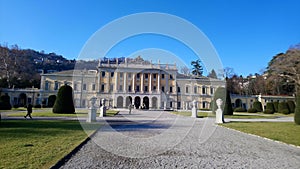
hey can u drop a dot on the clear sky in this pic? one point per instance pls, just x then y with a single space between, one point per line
245 33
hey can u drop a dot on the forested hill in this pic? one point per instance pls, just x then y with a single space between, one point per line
21 68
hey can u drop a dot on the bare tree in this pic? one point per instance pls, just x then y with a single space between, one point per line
185 70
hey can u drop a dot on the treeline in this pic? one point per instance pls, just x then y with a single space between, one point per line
21 68
281 77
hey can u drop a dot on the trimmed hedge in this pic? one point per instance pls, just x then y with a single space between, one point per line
5 102
283 108
252 110
270 107
291 106
64 101
276 106
51 100
268 111
297 110
258 106
240 109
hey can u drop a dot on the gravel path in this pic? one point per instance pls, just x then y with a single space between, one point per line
161 140
133 141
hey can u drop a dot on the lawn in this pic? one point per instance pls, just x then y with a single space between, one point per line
188 113
287 132
48 113
39 144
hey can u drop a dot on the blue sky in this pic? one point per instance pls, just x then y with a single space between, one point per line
245 33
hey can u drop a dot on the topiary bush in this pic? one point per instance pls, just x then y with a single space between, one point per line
252 110
51 100
5 102
37 106
291 106
276 106
270 107
268 111
240 109
64 101
223 94
297 110
258 106
283 108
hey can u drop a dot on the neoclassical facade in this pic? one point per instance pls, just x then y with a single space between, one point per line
136 82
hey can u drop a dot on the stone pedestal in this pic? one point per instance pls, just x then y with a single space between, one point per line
219 112
194 109
92 111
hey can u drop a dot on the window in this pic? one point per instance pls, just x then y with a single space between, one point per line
93 87
211 91
171 104
203 90
120 88
111 87
47 85
138 76
102 87
171 77
178 105
162 76
154 87
154 76
121 74
171 89
203 105
112 74
138 88
84 87
103 74
129 75
163 88
56 86
145 88
146 76
129 88
195 89
186 89
178 89
75 87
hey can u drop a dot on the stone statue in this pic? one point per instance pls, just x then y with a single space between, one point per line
219 112
194 109
102 108
92 110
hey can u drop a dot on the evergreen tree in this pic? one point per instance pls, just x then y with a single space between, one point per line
297 110
197 69
257 105
51 100
223 94
64 101
212 74
5 102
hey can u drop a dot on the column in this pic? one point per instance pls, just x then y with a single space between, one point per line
133 82
167 89
116 82
158 82
99 81
142 82
125 82
150 82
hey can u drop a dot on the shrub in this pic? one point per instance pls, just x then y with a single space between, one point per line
276 106
5 102
297 110
64 101
51 100
291 106
257 105
270 107
37 106
268 111
252 110
282 107
16 106
223 94
240 109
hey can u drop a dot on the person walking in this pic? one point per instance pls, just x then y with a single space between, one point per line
29 111
130 107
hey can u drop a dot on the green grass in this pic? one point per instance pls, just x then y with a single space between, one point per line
38 144
245 116
37 113
188 113
287 132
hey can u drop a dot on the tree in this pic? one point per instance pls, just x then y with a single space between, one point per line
197 69
51 100
270 108
213 74
223 94
64 101
185 70
283 108
258 106
297 111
